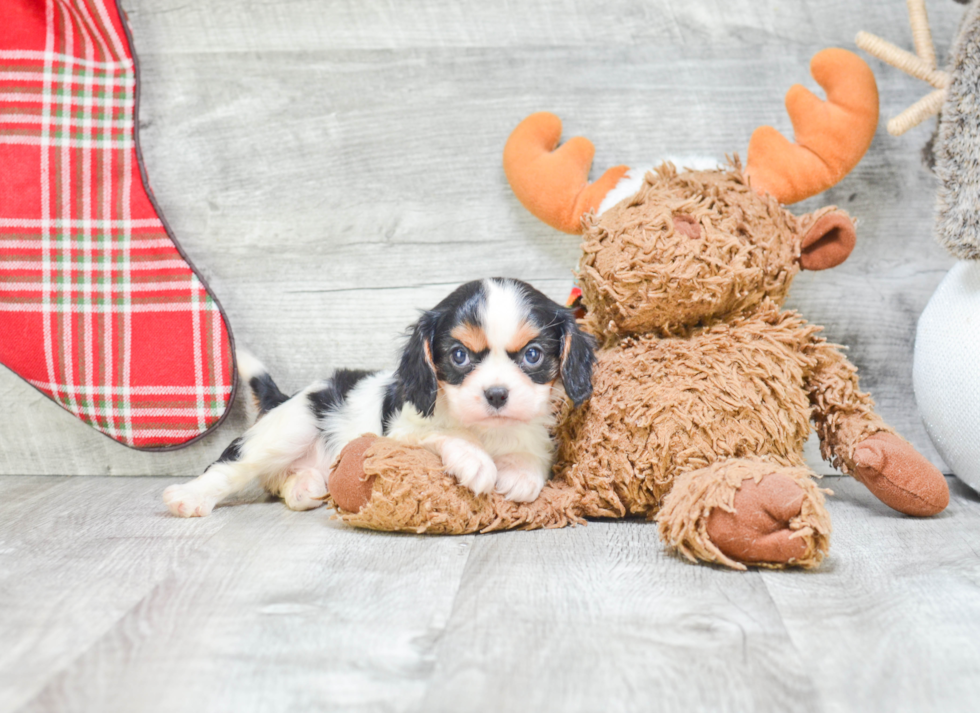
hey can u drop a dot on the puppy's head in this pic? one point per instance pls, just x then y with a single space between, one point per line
496 350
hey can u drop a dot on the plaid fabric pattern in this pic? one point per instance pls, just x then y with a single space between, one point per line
98 308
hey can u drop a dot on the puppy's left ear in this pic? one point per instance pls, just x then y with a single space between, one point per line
577 358
417 371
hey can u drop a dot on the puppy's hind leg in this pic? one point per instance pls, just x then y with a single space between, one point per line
304 485
304 489
225 476
272 446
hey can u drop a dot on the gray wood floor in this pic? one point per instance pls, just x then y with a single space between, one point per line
334 166
107 604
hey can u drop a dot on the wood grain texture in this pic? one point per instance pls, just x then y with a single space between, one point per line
893 621
107 603
111 604
333 167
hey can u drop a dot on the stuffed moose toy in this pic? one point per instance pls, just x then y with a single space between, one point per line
704 386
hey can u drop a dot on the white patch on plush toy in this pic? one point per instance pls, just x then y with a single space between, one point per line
630 183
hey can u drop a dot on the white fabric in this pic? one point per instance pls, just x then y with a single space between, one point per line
946 374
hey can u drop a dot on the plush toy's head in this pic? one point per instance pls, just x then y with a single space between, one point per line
697 246
694 246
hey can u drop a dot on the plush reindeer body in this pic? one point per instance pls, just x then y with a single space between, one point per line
701 367
704 388
732 390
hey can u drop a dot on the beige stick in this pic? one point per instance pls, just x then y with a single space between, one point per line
921 35
927 106
903 60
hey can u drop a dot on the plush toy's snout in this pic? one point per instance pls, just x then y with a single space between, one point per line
687 225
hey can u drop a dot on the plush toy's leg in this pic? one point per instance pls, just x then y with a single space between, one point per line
858 442
739 512
381 484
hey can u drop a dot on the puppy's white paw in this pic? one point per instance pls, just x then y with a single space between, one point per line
187 501
518 480
304 490
470 464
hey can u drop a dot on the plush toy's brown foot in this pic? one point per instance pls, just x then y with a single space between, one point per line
740 512
900 476
349 486
757 529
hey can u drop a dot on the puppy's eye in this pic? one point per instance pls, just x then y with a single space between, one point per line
532 356
460 356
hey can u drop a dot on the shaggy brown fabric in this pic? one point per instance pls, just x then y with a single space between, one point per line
412 493
640 274
665 406
843 414
703 383
683 522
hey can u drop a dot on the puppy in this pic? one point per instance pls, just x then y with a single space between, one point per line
479 383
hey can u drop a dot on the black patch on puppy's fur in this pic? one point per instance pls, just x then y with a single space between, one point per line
335 392
415 380
232 453
578 359
424 359
567 349
266 394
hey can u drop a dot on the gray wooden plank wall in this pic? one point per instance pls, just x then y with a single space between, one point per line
333 166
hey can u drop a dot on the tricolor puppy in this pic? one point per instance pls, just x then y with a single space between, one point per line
479 383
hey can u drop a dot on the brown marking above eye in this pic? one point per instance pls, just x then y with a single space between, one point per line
687 225
524 334
470 336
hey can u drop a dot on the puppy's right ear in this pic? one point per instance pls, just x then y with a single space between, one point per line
577 360
417 370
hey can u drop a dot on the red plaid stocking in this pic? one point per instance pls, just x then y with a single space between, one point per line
99 309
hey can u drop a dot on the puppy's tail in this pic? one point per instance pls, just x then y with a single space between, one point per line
260 391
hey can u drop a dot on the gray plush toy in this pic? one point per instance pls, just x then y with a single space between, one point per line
947 344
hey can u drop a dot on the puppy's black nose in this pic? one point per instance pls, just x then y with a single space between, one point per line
496 396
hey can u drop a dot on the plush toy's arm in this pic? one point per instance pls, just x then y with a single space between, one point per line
856 440
844 415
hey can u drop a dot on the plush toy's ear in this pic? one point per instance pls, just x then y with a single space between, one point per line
416 374
828 242
577 358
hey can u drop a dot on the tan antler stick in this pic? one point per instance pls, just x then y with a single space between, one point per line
921 65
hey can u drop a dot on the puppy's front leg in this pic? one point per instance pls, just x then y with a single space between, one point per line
471 465
521 476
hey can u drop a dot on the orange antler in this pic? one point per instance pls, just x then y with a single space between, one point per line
831 136
553 184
